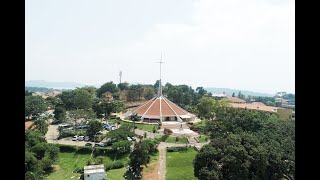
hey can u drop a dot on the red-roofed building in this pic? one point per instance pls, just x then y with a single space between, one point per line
160 109
27 124
235 100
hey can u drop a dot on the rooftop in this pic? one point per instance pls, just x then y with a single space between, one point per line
235 100
255 107
93 169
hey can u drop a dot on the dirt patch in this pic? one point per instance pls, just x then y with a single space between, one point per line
55 168
151 172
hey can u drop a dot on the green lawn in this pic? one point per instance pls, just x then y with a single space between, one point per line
202 138
180 165
69 161
145 127
116 174
173 140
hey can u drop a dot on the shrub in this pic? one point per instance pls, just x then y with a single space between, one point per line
164 137
177 139
98 160
114 165
67 148
167 131
84 150
177 149
78 170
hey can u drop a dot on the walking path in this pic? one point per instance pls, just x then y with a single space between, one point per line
162 156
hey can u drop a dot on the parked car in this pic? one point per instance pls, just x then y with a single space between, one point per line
133 138
80 138
97 145
129 139
88 144
64 125
75 138
108 127
86 138
103 145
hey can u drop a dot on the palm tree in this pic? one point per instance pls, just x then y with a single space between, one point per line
40 125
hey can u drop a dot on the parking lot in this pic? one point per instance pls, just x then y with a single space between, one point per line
53 134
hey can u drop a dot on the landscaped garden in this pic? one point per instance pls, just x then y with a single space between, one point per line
145 127
180 164
177 140
70 162
202 138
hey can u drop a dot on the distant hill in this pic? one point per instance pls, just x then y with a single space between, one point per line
40 89
236 91
55 85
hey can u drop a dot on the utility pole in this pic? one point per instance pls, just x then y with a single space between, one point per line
120 75
160 88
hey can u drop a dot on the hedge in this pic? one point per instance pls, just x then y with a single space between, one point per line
177 149
114 165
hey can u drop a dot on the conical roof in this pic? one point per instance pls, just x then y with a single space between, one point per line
159 107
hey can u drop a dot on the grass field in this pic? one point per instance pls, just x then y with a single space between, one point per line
173 140
69 161
145 127
116 174
202 139
180 165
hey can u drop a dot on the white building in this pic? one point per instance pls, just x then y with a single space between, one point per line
94 172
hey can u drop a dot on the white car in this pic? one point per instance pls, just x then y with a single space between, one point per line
80 138
75 138
129 139
87 138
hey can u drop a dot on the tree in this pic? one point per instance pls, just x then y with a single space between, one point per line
28 93
60 113
233 94
201 91
138 157
82 99
39 155
94 127
123 86
53 101
209 107
121 146
67 98
148 93
247 145
40 125
90 89
34 105
107 108
239 94
121 133
109 86
80 115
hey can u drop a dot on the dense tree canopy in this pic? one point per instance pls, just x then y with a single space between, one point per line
123 86
82 99
39 155
94 127
59 113
106 108
53 101
28 93
109 86
138 157
34 105
247 145
208 107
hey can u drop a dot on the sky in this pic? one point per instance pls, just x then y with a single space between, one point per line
247 44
